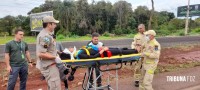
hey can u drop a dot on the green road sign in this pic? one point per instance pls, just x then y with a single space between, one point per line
194 10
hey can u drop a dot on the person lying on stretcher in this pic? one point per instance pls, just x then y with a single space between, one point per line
90 52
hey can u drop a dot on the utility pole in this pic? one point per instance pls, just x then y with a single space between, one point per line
151 16
186 22
120 15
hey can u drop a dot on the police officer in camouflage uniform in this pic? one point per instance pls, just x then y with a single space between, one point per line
151 54
47 54
138 42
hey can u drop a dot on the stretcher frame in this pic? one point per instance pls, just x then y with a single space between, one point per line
97 63
94 87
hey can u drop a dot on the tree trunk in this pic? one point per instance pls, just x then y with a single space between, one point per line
151 15
10 32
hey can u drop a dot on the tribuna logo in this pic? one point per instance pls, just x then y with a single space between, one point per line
180 78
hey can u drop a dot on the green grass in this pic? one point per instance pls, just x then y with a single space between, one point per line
195 31
28 39
32 39
81 38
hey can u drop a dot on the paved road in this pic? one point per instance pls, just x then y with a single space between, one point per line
164 41
160 81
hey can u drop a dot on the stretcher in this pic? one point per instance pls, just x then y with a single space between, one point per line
105 60
96 64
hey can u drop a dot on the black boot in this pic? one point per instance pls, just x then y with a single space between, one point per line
66 84
66 71
99 85
136 83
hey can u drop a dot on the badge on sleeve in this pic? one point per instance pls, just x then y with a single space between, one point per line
46 41
156 47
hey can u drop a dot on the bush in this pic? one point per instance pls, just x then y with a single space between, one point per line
130 35
118 31
127 31
4 34
163 32
74 36
181 33
106 34
112 35
60 36
196 30
64 33
88 35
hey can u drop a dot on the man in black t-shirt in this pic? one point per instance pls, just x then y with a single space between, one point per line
16 56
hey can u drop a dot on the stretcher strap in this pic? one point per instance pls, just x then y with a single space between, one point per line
92 47
86 50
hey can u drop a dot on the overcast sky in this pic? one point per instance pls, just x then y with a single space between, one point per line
22 7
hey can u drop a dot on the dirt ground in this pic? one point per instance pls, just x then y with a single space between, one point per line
178 55
172 56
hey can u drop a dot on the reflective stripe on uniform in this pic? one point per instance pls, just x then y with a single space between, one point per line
150 61
147 54
150 71
152 42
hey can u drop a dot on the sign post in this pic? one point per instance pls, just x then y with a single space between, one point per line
193 9
186 22
188 11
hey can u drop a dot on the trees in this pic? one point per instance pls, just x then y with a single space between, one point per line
124 12
8 24
81 18
141 14
65 13
82 8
